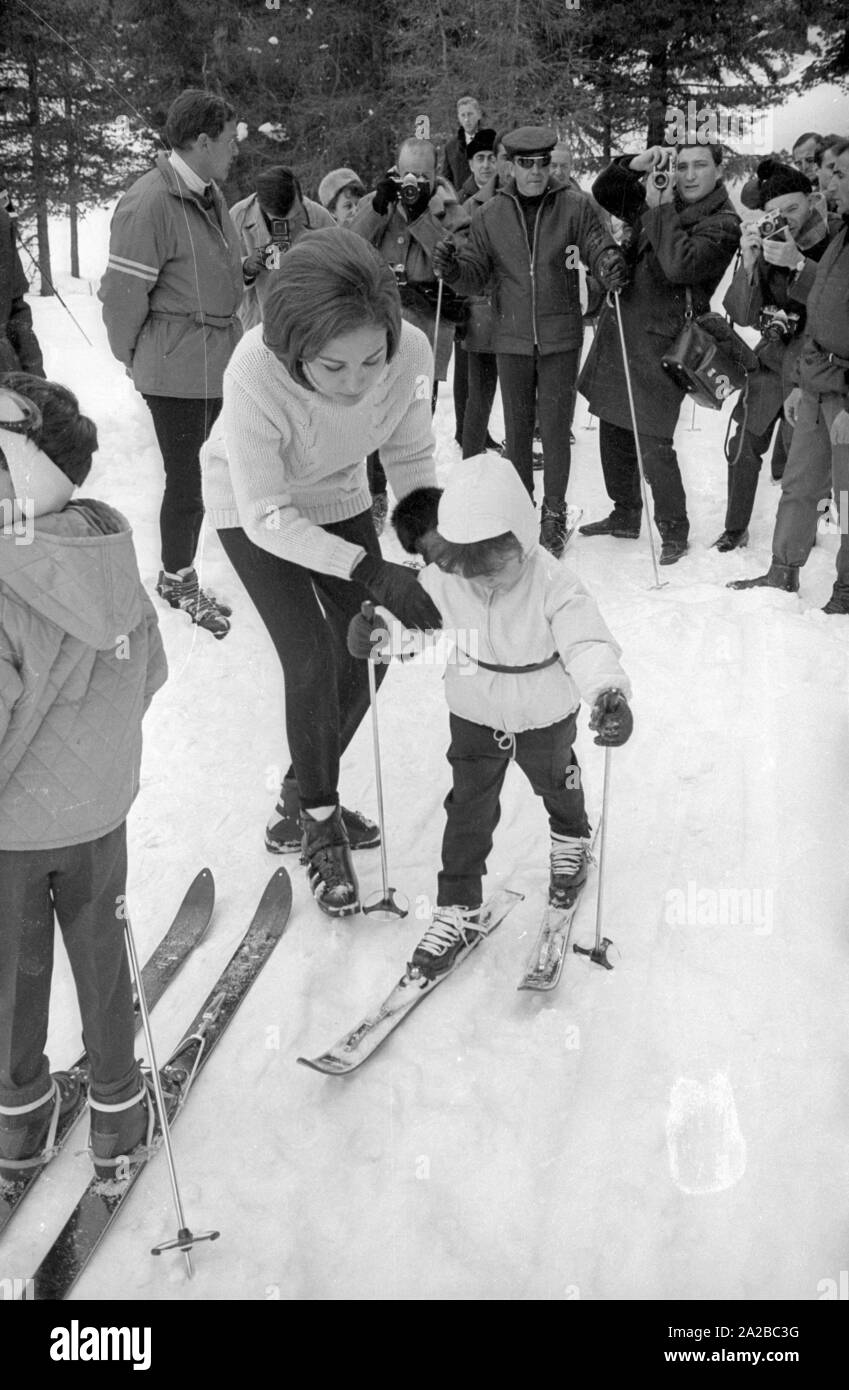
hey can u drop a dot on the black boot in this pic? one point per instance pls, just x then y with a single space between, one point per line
673 534
283 833
839 601
27 1132
553 526
732 540
327 854
778 576
623 524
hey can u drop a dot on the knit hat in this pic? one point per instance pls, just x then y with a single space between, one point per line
484 497
529 139
483 141
333 183
773 179
39 486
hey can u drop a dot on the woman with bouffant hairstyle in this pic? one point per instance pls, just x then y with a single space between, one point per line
330 375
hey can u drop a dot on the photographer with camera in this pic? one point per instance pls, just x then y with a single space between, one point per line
779 251
409 211
269 222
818 409
682 233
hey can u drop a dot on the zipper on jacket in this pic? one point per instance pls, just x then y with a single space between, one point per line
531 254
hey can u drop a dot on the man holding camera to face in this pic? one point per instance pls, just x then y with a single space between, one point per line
407 214
269 222
779 251
818 409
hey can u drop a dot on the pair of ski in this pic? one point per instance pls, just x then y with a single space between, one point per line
99 1205
543 973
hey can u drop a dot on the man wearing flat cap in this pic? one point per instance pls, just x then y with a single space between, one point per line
528 240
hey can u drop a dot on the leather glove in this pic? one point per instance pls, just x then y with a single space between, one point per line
611 269
397 588
611 717
368 638
444 260
385 195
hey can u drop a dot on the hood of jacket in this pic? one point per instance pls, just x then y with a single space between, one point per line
484 497
76 568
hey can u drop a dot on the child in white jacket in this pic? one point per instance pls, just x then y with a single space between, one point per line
540 646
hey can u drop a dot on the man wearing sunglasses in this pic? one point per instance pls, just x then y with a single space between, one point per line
528 239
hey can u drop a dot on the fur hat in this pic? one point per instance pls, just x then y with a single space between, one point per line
773 179
483 141
415 515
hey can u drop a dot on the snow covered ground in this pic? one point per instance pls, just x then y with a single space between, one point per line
675 1129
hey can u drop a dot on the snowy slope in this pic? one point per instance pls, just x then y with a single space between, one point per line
673 1129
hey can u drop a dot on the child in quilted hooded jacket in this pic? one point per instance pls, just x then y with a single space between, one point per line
80 659
530 644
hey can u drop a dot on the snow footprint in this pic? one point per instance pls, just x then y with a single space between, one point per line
707 1151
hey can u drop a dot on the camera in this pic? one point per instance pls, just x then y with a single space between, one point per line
281 242
664 169
771 224
778 325
410 187
400 273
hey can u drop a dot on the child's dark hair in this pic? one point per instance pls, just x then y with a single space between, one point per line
478 557
416 515
67 438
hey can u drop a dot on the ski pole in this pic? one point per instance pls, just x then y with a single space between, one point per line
658 584
436 320
598 952
46 277
387 903
185 1238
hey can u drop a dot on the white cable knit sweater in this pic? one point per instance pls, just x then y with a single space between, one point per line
283 460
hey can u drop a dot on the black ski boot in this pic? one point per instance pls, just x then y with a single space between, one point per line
839 601
183 591
118 1129
569 856
554 526
284 834
731 540
673 535
27 1132
451 929
625 525
778 576
326 851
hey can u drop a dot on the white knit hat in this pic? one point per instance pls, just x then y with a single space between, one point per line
484 497
39 486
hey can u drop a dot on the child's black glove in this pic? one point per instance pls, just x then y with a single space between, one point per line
368 638
611 717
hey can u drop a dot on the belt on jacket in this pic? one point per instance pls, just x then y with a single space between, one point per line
831 357
200 317
515 670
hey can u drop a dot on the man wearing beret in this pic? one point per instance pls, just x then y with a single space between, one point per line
769 291
818 409
527 239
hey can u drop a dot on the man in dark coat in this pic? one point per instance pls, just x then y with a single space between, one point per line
681 235
19 349
770 286
455 161
528 240
818 410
